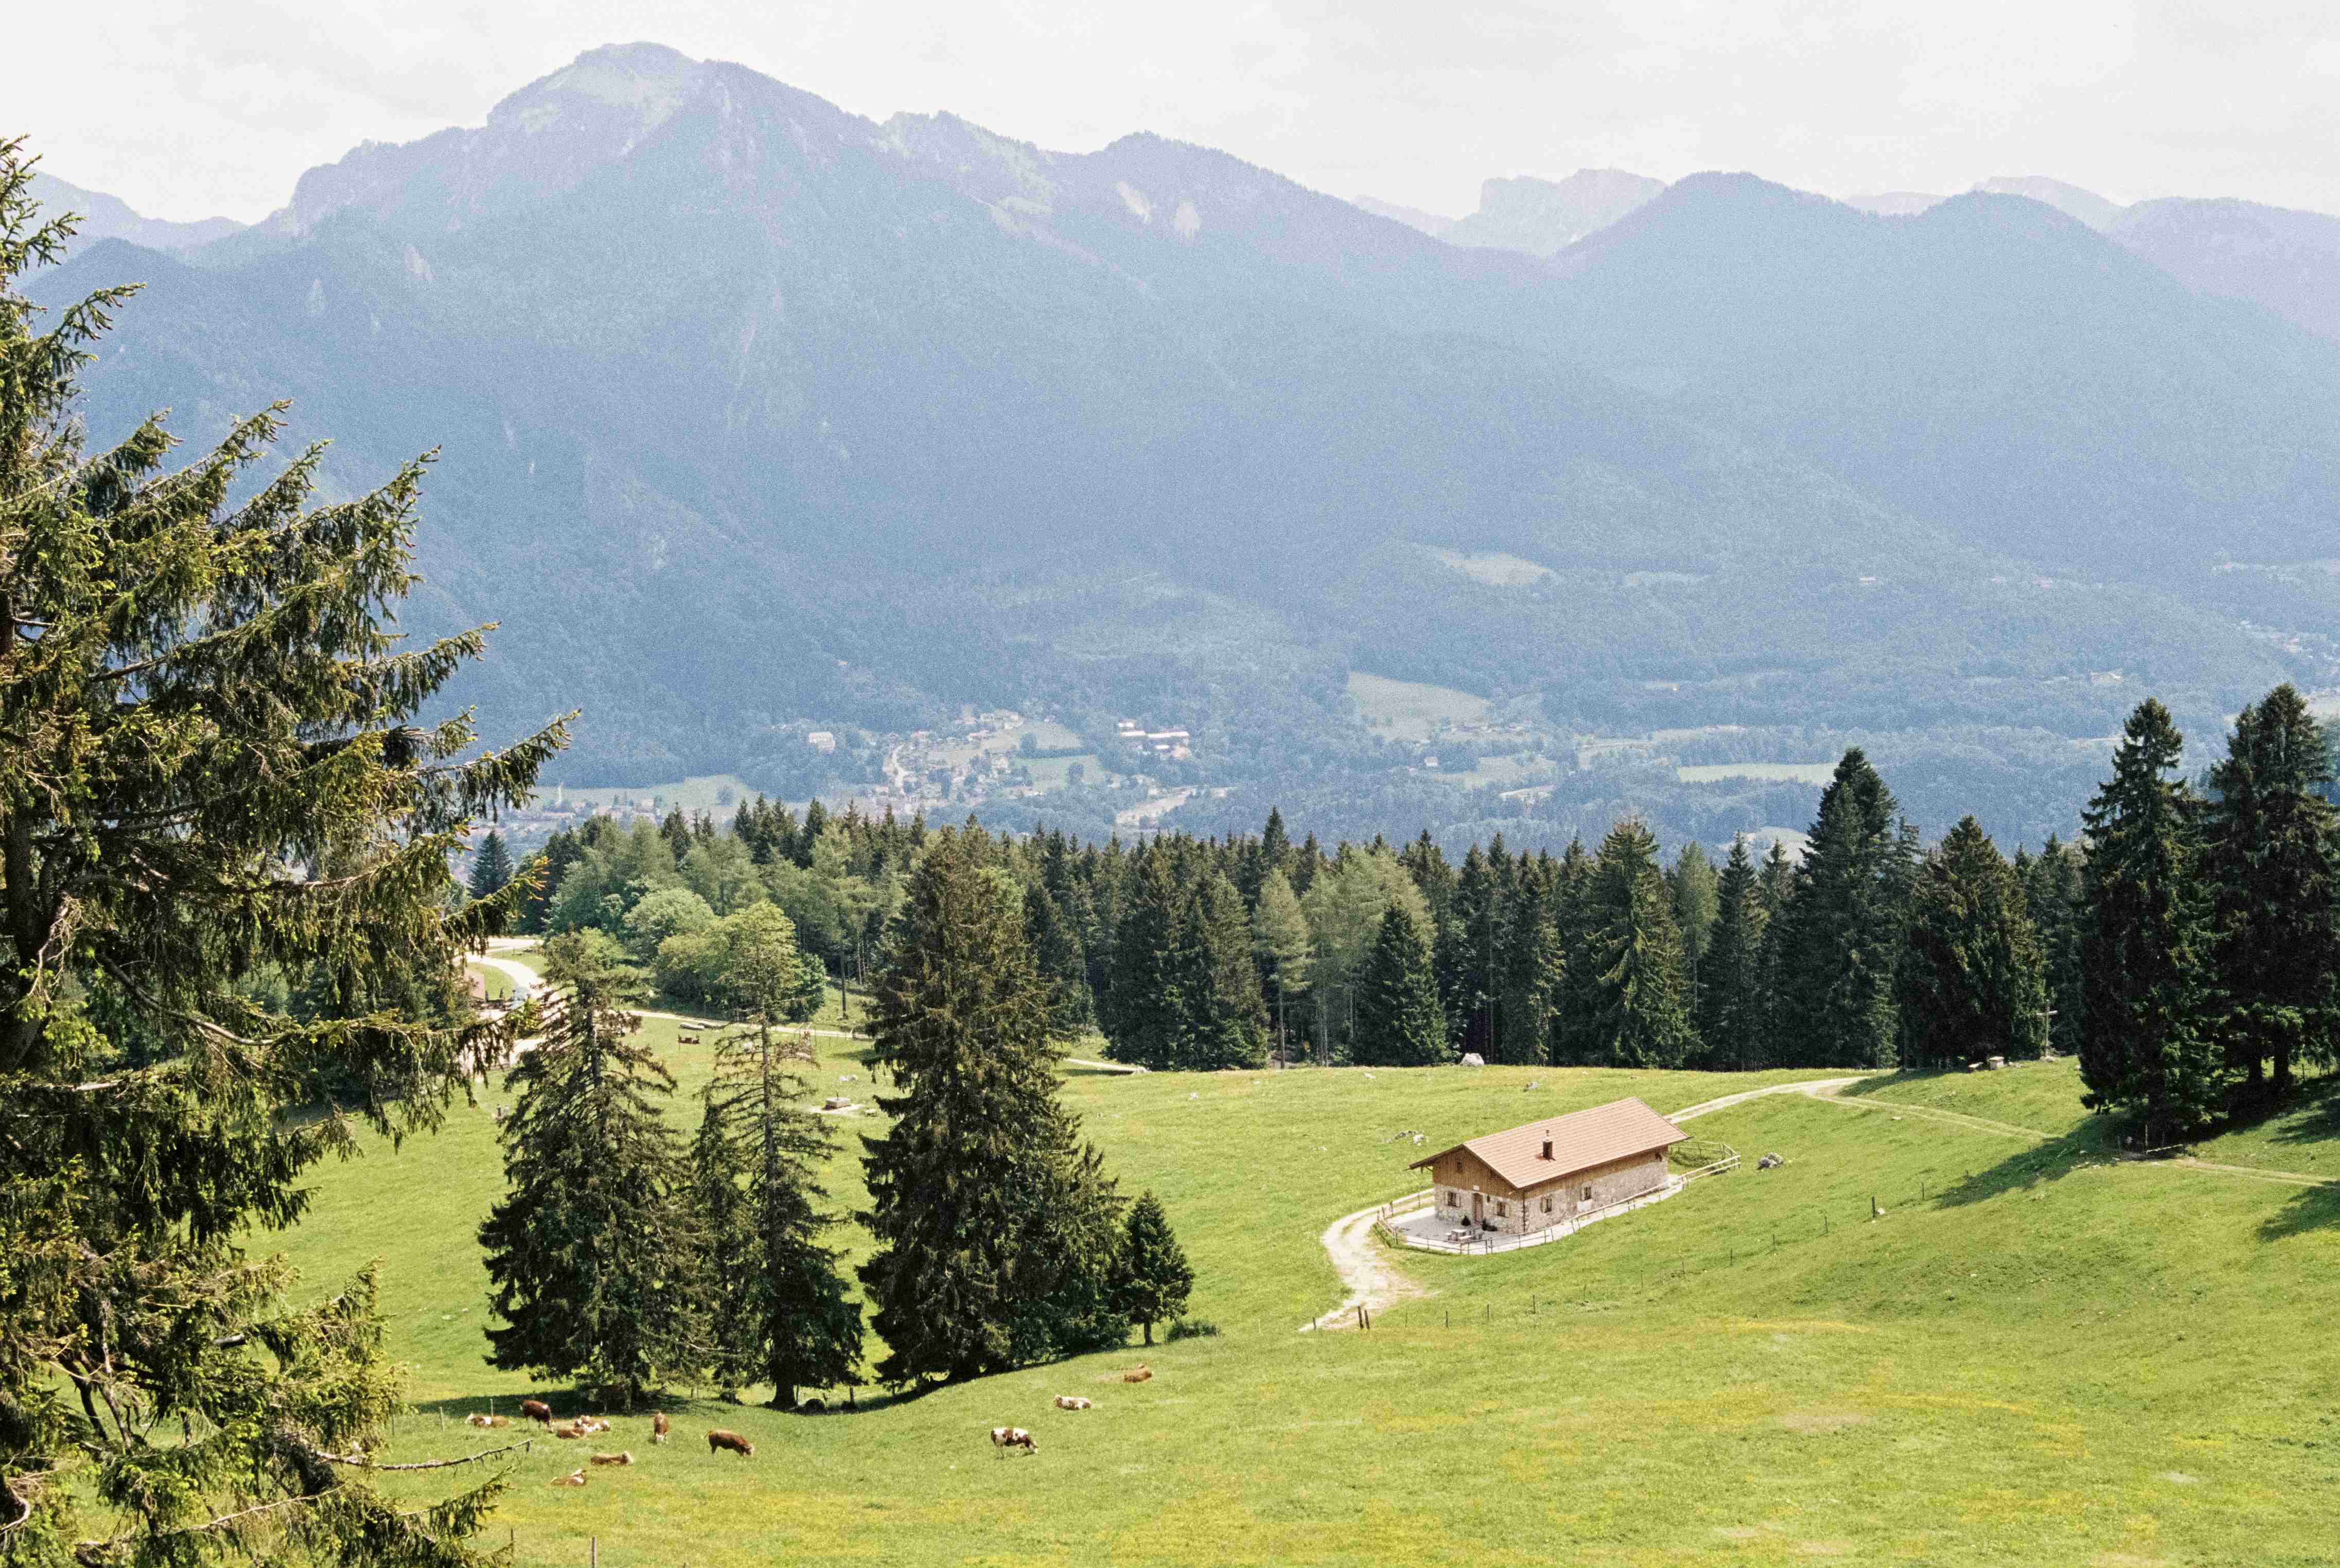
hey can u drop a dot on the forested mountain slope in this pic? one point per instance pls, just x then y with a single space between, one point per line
751 412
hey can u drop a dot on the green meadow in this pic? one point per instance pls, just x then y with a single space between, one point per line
2037 1354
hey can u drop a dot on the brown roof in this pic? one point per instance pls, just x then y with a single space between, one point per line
1579 1140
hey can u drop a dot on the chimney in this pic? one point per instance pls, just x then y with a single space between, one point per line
1547 1148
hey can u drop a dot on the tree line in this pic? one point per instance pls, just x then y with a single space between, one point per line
2181 949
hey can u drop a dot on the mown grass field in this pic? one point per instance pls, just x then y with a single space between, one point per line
2049 1357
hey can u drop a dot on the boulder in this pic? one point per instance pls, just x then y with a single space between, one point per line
1473 1059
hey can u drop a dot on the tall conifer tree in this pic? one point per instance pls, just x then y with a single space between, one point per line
1643 999
1152 1278
1731 1000
1287 955
2145 951
2274 862
1974 981
590 1252
996 1228
210 774
1840 934
777 1303
491 868
1400 1022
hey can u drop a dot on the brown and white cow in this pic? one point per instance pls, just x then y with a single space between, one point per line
1143 1373
658 1427
718 1439
536 1410
1071 1401
574 1478
625 1458
1006 1437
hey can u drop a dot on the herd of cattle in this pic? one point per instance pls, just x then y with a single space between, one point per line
719 1441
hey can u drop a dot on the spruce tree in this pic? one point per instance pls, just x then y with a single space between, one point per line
491 868
589 1251
1575 918
1840 934
2146 949
1974 981
1287 955
1400 1022
776 1302
1151 1276
996 1228
1642 999
1144 1004
2273 859
1693 883
1218 1009
210 776
1527 996
1731 998
2053 896
1064 966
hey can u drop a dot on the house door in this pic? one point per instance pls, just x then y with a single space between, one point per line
1478 1209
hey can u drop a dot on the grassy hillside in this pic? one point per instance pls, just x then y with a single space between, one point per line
2048 1356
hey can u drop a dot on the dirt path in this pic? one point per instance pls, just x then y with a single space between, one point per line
526 982
1373 1278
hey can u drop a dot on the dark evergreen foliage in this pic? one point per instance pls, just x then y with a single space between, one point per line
1643 1002
1840 934
1400 1022
2273 860
776 1302
591 1252
211 785
2145 952
1974 981
1151 1276
491 868
1731 1012
996 1226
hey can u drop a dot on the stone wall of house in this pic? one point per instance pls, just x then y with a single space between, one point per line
1608 1184
1527 1214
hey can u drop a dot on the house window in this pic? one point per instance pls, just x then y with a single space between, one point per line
1547 1203
1453 1199
1502 1208
1588 1195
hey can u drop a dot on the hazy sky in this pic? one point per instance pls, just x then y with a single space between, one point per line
187 108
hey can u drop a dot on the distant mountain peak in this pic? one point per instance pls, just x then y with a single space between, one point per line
1431 224
1543 216
2097 211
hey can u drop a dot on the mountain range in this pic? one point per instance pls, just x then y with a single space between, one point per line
755 416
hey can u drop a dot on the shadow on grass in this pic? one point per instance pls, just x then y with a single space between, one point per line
2310 1114
2316 1208
568 1401
2094 1142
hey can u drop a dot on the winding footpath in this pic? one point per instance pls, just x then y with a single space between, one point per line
1374 1281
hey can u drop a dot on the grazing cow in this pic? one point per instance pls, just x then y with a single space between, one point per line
625 1458
536 1410
658 1427
574 1478
1071 1401
1006 1437
718 1438
1140 1376
687 1039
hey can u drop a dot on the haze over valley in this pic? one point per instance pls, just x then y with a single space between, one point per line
758 420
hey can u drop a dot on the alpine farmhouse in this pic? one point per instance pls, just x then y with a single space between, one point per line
1556 1171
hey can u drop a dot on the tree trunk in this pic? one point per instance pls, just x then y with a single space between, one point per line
1148 1326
